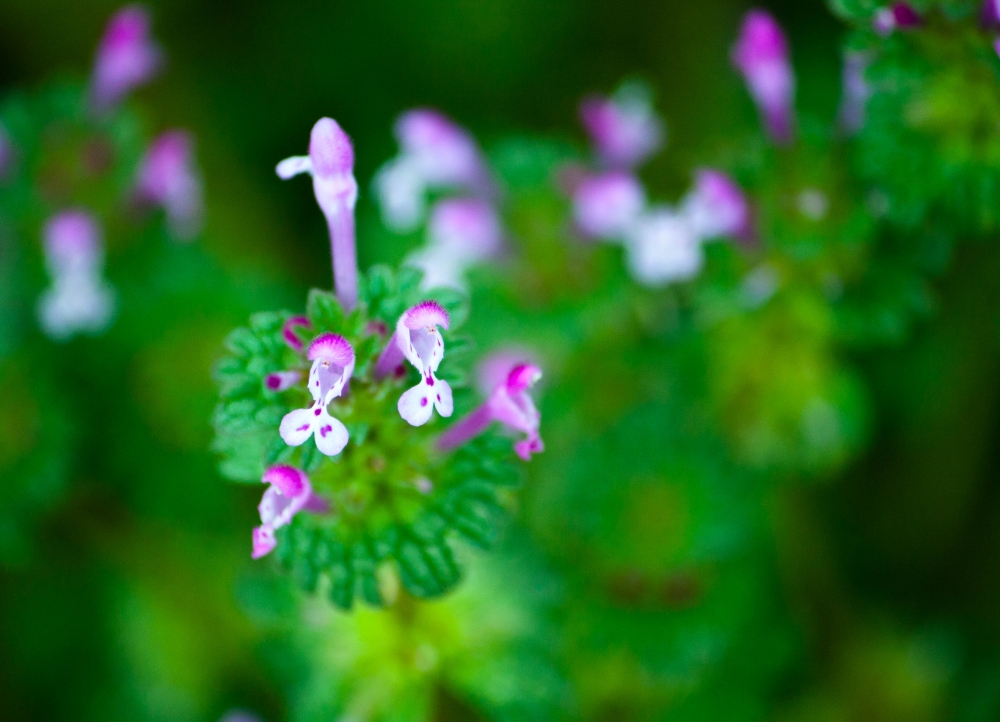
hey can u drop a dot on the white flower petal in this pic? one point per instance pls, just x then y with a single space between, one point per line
415 406
297 426
331 434
291 167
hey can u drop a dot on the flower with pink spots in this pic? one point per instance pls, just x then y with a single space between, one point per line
333 364
419 338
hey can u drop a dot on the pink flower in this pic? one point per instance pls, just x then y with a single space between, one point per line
288 331
899 15
508 403
282 380
761 55
126 58
716 207
333 364
990 14
167 177
444 153
331 164
418 337
461 233
79 298
435 154
624 128
288 493
606 206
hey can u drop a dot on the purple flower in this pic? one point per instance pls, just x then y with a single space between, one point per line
331 164
761 55
417 336
443 152
461 233
855 92
333 364
79 299
282 380
435 153
899 16
288 493
288 331
662 248
606 206
6 153
716 207
126 58
990 14
508 403
624 128
167 177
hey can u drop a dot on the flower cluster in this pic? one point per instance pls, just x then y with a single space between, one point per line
316 406
78 300
463 229
663 243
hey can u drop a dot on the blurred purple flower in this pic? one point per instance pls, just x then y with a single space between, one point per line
461 232
331 164
624 128
716 207
899 16
7 154
606 206
126 58
508 403
856 91
79 299
288 493
333 364
419 339
167 177
435 153
990 14
761 55
662 248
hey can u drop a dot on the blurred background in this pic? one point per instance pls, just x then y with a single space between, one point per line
137 599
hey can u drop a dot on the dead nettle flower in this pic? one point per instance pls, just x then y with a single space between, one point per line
289 492
508 402
288 331
761 55
333 364
855 91
282 380
624 128
716 207
418 338
168 178
126 58
435 153
331 164
663 247
461 233
79 298
898 16
606 206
